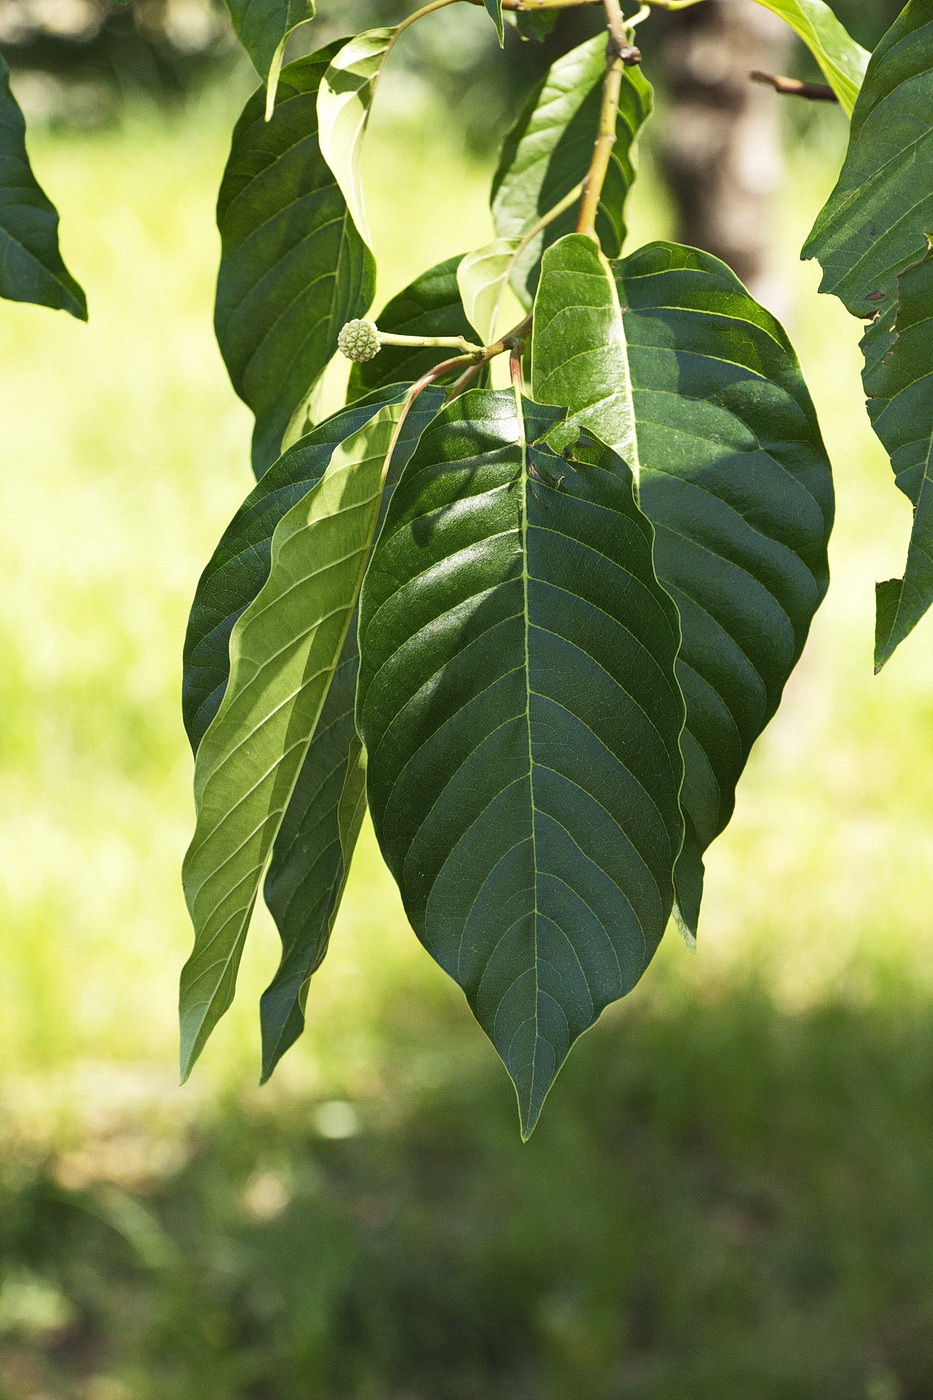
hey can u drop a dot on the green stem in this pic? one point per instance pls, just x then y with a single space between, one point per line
620 53
605 140
417 388
549 218
413 19
426 342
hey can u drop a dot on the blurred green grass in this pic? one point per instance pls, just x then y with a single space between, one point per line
729 1195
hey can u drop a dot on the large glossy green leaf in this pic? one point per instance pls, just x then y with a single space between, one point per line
284 650
700 390
343 106
875 221
900 403
430 306
262 26
311 856
842 60
293 267
31 266
548 151
519 709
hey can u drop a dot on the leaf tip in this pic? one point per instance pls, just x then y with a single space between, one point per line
686 929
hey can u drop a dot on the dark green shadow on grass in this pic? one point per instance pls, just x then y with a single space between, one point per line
722 1201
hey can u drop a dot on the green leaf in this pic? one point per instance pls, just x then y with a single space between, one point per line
579 352
482 278
700 389
842 60
535 24
874 226
548 151
430 306
312 851
874 223
31 267
343 107
293 268
494 10
900 403
311 858
240 564
284 650
262 26
519 709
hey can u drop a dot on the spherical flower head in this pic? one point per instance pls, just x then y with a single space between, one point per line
359 340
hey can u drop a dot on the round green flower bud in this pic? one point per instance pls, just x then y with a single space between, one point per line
359 340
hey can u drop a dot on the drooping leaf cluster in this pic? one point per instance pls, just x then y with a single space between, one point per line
533 593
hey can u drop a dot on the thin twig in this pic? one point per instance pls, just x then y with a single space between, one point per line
526 6
793 87
417 388
415 16
620 54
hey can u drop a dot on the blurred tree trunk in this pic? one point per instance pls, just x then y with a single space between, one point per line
721 151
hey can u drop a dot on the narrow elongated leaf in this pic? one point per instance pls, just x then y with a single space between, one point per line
343 105
293 266
262 26
311 859
700 389
31 266
482 278
240 564
311 856
431 305
874 223
900 402
842 60
520 713
548 151
494 10
284 650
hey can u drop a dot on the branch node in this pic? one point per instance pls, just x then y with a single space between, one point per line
628 53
